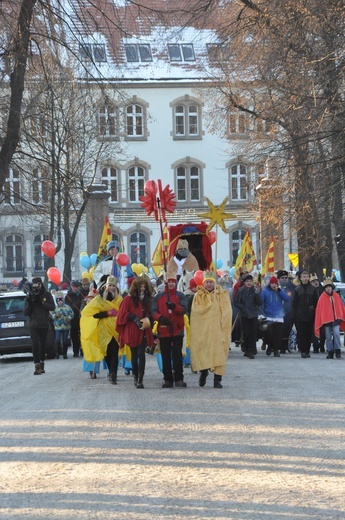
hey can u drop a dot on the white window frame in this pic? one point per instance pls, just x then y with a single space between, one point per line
136 178
135 119
238 182
138 247
16 247
40 192
110 178
187 176
11 194
107 121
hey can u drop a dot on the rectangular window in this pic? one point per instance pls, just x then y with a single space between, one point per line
92 52
188 52
181 52
138 52
174 52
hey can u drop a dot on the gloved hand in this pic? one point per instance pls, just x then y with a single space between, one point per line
138 323
170 305
164 321
131 316
100 315
112 312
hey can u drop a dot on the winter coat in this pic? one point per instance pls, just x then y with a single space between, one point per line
304 302
248 302
329 310
129 333
37 309
175 327
62 316
74 300
273 302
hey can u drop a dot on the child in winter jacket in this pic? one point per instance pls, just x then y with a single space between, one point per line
62 316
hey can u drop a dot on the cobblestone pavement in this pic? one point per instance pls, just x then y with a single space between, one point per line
268 446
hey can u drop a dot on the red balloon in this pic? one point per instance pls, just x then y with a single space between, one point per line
54 275
199 277
48 248
212 236
219 272
122 259
150 187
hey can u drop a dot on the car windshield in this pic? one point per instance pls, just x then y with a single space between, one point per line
11 305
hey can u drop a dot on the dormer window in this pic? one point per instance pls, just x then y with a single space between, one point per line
138 52
181 52
92 52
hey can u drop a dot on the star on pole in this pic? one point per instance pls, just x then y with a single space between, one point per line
216 215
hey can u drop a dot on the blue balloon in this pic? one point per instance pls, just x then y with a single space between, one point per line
219 263
85 262
232 271
93 259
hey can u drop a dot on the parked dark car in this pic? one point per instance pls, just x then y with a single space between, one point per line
14 330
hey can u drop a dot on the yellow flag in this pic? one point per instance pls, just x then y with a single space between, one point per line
293 257
159 253
105 239
268 266
246 256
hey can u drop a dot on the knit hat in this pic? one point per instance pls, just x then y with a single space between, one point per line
111 280
75 283
247 277
171 276
111 244
281 273
37 279
273 279
300 272
59 296
209 275
328 281
182 244
192 284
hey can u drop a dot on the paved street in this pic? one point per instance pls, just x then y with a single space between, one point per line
269 445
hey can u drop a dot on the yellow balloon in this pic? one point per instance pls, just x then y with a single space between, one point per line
83 254
145 270
135 268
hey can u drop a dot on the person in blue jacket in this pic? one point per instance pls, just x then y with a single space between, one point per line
273 298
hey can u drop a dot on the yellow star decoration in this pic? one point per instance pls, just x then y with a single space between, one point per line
216 215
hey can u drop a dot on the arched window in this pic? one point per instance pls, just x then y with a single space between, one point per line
187 120
187 180
40 260
136 181
12 187
39 186
236 242
238 182
14 254
138 245
135 121
107 121
111 181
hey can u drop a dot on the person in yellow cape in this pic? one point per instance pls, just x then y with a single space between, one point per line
210 328
99 337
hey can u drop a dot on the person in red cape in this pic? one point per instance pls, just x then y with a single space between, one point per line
134 325
330 313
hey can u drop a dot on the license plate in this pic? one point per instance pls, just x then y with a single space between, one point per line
12 324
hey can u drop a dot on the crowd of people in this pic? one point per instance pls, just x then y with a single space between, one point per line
102 323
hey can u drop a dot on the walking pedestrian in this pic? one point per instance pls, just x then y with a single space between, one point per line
38 303
210 328
134 325
62 317
303 312
74 299
273 298
248 301
168 309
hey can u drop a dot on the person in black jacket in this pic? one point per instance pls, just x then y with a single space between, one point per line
303 312
38 303
74 299
248 300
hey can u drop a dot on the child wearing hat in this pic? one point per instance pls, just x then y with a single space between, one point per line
273 298
330 314
62 317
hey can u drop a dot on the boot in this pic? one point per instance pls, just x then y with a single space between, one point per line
217 381
276 353
58 349
338 353
38 371
330 354
140 381
135 377
203 376
64 351
42 367
113 378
